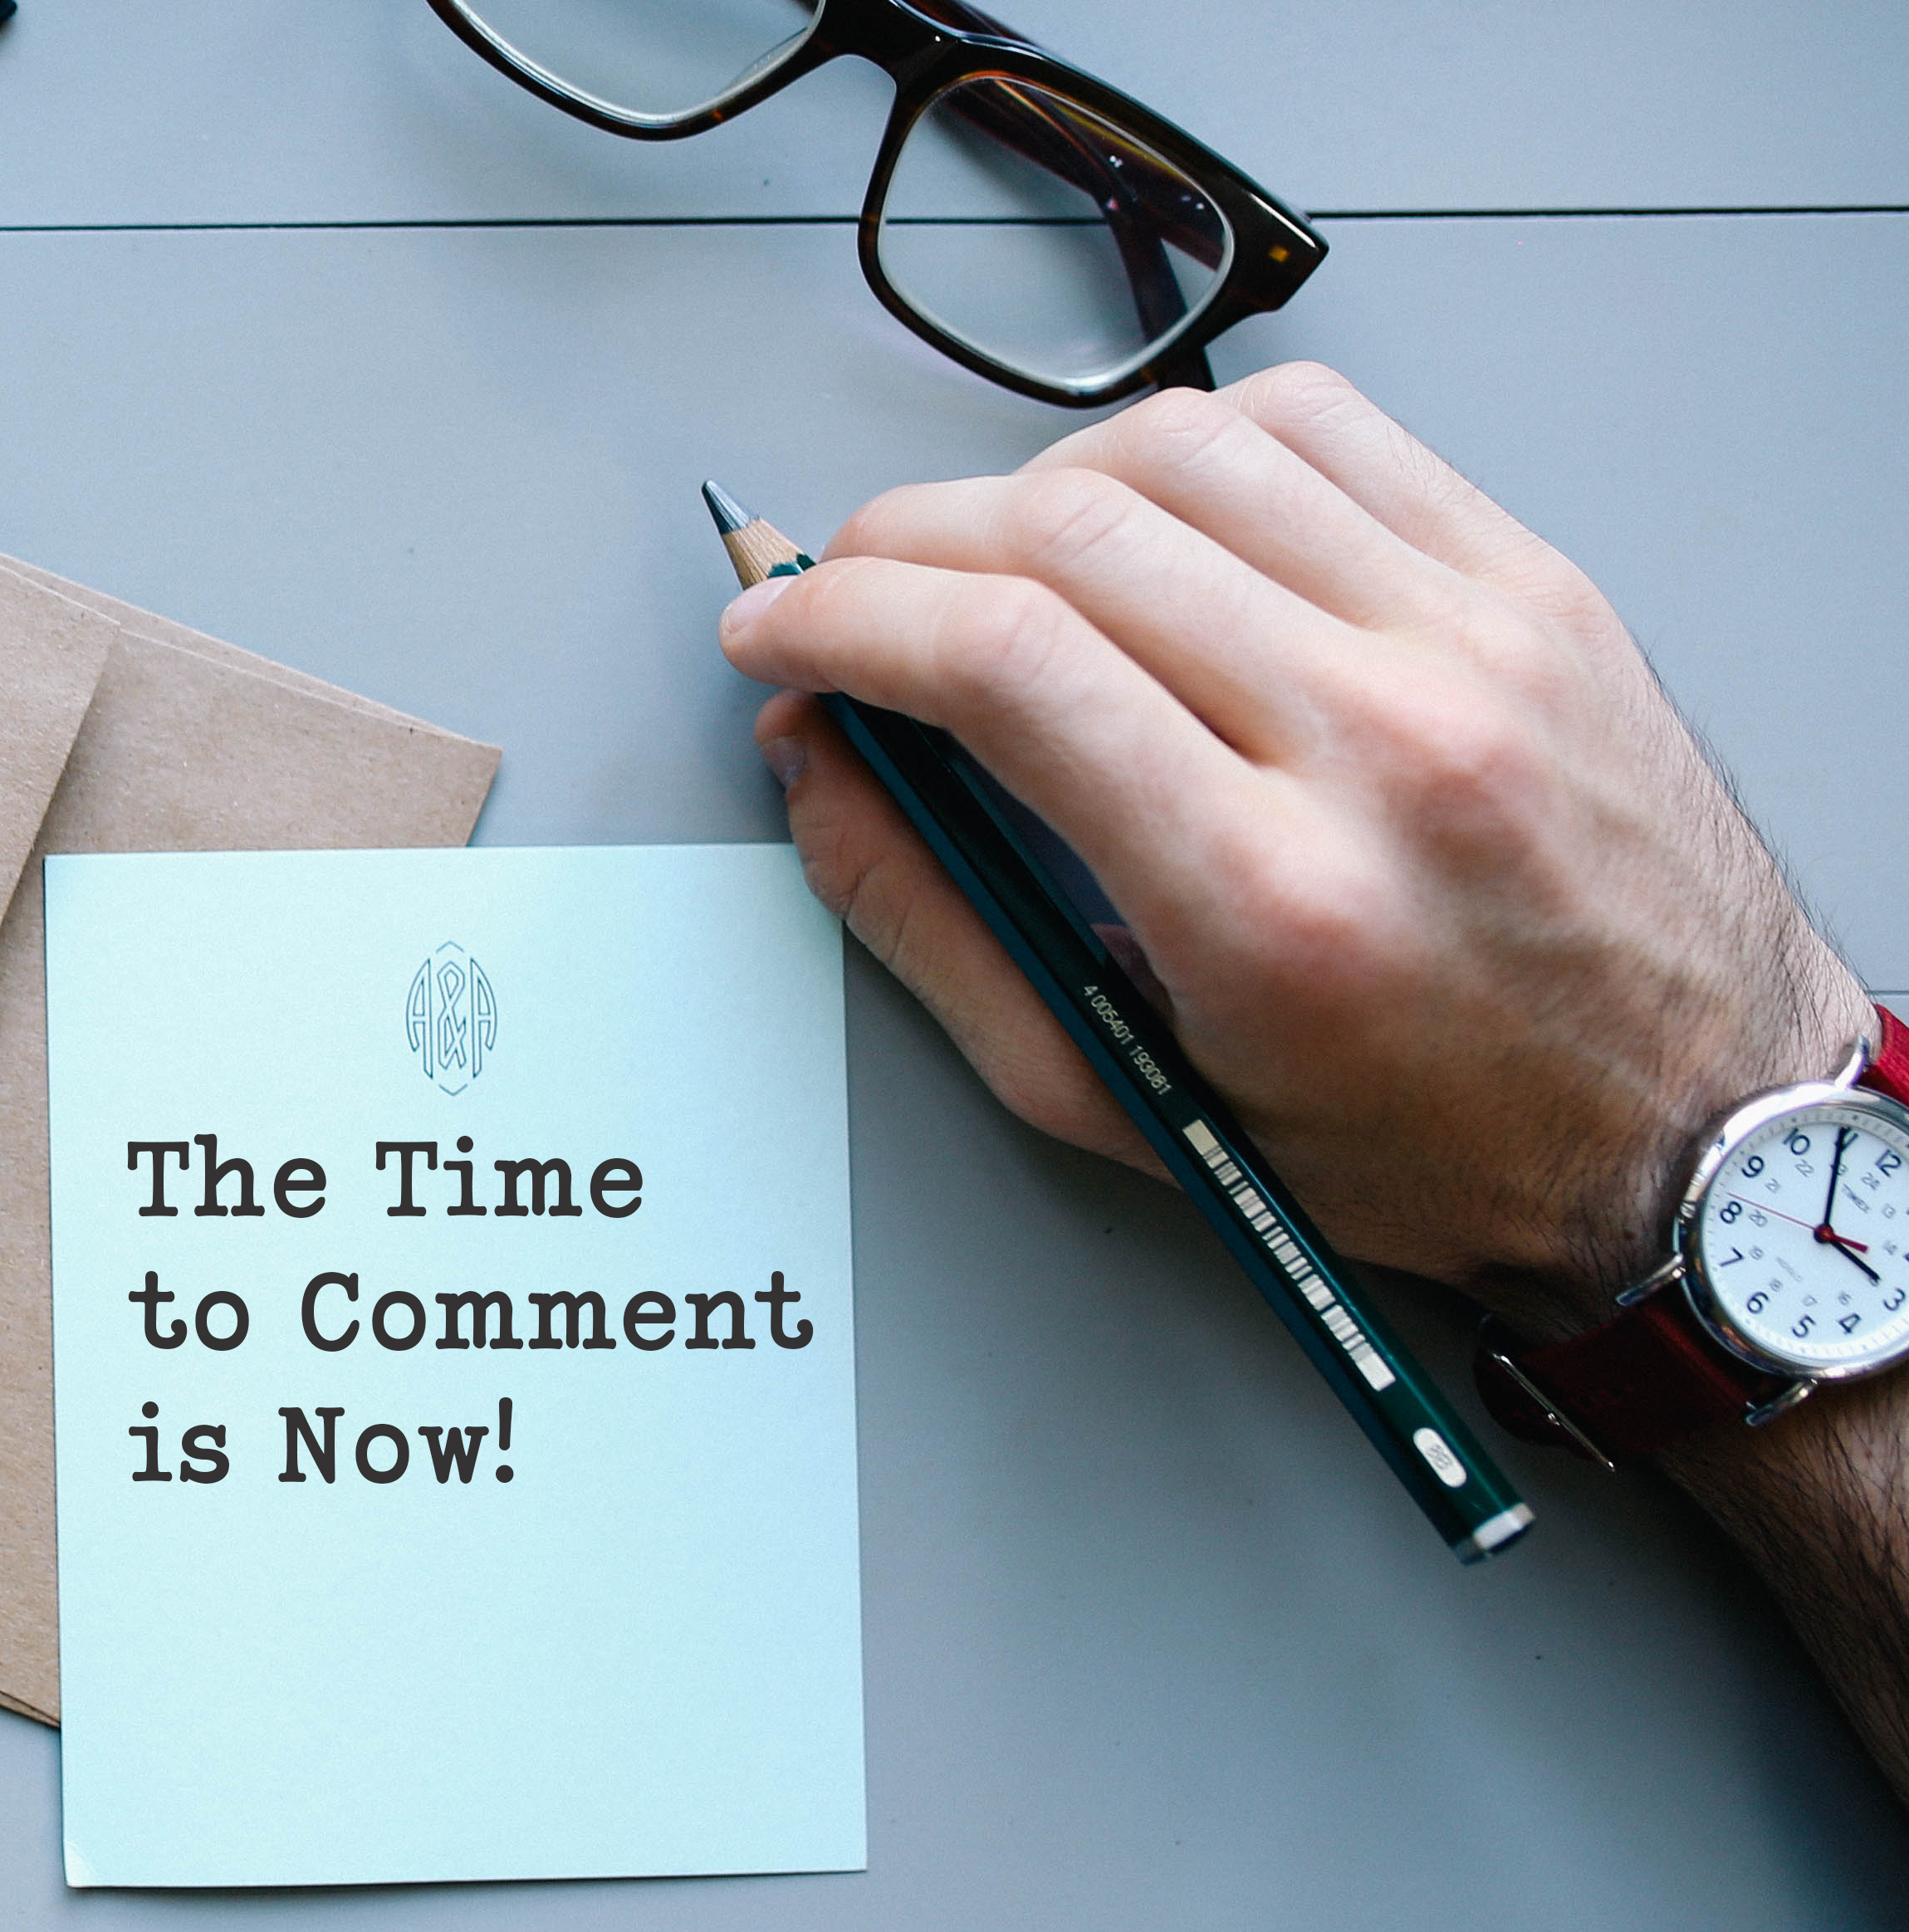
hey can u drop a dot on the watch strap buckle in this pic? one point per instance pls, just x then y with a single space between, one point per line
1635 1385
1493 1362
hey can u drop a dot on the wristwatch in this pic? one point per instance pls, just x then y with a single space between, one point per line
1789 1270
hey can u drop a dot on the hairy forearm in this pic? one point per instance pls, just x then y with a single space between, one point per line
1819 1502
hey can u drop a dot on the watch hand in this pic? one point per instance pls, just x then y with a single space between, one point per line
1762 1207
1835 1174
1843 1248
1821 1229
1838 1240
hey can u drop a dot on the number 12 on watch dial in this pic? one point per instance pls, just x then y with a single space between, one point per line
1800 1237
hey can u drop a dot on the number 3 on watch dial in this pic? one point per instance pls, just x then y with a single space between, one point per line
1796 1244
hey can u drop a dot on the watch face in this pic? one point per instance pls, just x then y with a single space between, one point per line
1799 1236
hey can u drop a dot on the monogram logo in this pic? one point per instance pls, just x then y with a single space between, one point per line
450 1018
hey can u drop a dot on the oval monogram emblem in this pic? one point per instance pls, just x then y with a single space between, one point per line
450 1018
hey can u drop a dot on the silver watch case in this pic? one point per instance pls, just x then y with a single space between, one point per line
1685 1264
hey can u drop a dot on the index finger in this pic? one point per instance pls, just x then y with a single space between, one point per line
1070 723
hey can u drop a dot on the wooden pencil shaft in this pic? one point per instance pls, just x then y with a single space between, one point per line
756 549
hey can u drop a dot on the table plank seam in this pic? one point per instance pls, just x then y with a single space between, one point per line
790 221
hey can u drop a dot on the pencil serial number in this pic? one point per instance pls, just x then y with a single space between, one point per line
1138 1058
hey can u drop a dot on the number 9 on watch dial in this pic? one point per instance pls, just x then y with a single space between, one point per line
1796 1242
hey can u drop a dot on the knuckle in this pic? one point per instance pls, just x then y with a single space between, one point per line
1450 612
1178 425
1511 652
1446 494
1455 746
1297 393
1057 518
1553 586
836 863
855 873
831 874
1001 637
870 531
1324 914
1472 768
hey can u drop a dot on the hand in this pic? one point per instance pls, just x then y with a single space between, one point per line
1433 883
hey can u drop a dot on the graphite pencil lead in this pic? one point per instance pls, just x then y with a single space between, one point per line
730 515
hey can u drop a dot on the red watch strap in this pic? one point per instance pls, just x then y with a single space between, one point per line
1628 1389
1889 1071
1651 1376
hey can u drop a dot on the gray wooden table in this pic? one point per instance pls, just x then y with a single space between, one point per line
1152 1640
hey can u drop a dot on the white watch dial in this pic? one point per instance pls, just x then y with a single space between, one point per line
1801 1234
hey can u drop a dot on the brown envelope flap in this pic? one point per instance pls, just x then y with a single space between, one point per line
181 750
164 630
185 752
52 651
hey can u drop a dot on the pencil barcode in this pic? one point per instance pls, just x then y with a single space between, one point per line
1291 1257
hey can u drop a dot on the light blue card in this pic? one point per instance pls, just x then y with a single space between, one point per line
639 1650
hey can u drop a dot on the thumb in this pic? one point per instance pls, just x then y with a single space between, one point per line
867 865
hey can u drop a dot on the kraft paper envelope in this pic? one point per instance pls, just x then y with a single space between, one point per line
121 732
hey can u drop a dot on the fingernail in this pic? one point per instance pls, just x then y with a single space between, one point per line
788 758
743 611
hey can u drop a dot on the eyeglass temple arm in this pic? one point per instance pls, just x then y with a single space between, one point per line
1158 189
1074 147
1159 302
1156 289
1190 369
1030 134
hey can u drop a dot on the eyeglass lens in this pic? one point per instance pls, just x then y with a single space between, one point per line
651 58
1026 226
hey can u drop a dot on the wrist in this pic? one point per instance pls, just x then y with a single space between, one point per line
1785 1275
1617 1228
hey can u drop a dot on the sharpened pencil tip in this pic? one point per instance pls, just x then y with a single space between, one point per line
730 515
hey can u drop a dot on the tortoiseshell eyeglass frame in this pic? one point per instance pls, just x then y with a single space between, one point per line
929 46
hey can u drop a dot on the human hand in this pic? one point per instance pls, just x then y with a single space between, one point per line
1436 888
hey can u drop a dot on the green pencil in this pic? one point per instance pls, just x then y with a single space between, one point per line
1130 1046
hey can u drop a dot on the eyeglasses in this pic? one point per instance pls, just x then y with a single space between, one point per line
1036 225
